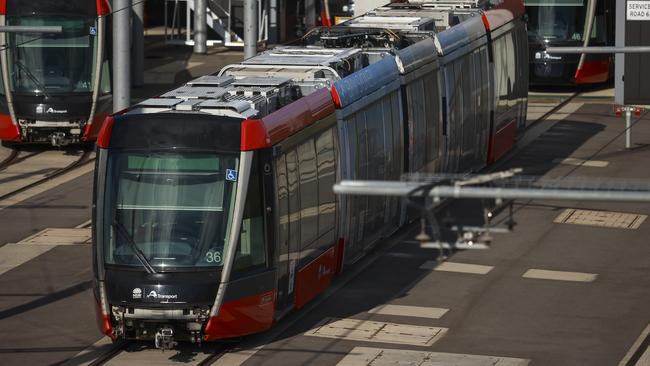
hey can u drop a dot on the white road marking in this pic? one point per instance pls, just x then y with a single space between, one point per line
14 255
635 346
644 359
56 236
55 182
366 356
618 220
542 274
236 358
34 169
457 267
371 331
581 162
84 224
414 311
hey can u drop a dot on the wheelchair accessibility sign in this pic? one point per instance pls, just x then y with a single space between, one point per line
231 175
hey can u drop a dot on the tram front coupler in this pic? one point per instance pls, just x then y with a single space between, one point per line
164 339
58 139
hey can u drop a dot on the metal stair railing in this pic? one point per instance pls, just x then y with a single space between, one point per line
219 18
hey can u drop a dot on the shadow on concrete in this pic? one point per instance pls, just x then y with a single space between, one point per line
398 271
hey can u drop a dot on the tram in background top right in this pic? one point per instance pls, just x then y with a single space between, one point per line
565 23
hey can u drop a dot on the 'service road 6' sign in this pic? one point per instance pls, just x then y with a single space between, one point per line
638 10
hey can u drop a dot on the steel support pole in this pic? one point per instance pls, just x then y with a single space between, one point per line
310 14
121 54
200 26
402 189
137 71
250 28
597 50
628 125
274 36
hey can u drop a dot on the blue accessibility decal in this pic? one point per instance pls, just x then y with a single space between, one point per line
93 31
231 175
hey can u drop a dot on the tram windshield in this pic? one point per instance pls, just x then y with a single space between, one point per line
176 208
556 20
53 63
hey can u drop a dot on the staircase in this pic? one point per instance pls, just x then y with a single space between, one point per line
225 17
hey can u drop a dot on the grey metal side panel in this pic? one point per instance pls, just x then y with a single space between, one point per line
371 144
424 118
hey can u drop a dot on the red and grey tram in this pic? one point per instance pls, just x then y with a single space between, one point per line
214 214
570 23
55 87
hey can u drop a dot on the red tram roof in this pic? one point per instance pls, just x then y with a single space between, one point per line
269 130
503 13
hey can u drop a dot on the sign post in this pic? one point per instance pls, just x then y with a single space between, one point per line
632 81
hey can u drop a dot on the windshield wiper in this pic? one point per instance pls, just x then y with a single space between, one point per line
31 77
119 228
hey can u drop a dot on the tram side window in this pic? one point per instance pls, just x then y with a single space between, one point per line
466 70
599 31
512 63
294 197
501 74
308 193
105 81
283 200
251 251
432 108
326 179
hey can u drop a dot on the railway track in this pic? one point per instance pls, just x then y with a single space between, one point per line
110 354
84 158
9 160
561 105
135 353
17 156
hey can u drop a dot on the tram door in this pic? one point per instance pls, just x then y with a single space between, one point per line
287 214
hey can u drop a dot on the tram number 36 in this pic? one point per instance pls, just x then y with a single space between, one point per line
213 256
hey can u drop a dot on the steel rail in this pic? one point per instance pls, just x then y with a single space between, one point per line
111 353
70 167
17 159
215 356
9 160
